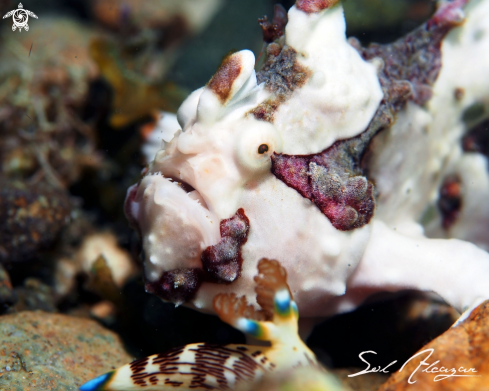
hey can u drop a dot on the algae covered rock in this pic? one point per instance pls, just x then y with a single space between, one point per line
46 351
34 295
31 218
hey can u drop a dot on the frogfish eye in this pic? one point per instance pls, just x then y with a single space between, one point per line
262 149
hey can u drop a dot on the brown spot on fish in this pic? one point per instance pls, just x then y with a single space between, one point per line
459 93
265 111
282 74
222 81
450 201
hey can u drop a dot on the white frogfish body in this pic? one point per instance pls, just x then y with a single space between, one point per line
315 160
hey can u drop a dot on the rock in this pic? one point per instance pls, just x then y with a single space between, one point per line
34 295
43 136
368 382
31 217
7 294
116 262
99 258
465 345
42 351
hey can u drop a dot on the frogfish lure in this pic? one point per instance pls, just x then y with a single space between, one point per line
215 367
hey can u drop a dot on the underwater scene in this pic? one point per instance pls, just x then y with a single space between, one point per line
268 195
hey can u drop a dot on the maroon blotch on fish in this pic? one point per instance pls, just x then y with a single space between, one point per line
223 261
344 197
176 286
335 179
450 201
412 63
313 6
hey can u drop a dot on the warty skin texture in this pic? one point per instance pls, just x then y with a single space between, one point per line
212 168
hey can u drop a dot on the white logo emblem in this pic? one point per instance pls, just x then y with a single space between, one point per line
20 16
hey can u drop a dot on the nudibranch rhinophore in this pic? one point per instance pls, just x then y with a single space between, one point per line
329 158
203 366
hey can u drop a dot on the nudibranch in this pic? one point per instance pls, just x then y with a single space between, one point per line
326 158
203 366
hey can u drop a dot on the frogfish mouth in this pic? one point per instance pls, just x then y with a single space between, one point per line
177 228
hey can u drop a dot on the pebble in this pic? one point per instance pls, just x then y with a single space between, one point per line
45 351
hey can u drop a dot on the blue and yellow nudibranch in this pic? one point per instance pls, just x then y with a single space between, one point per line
207 366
